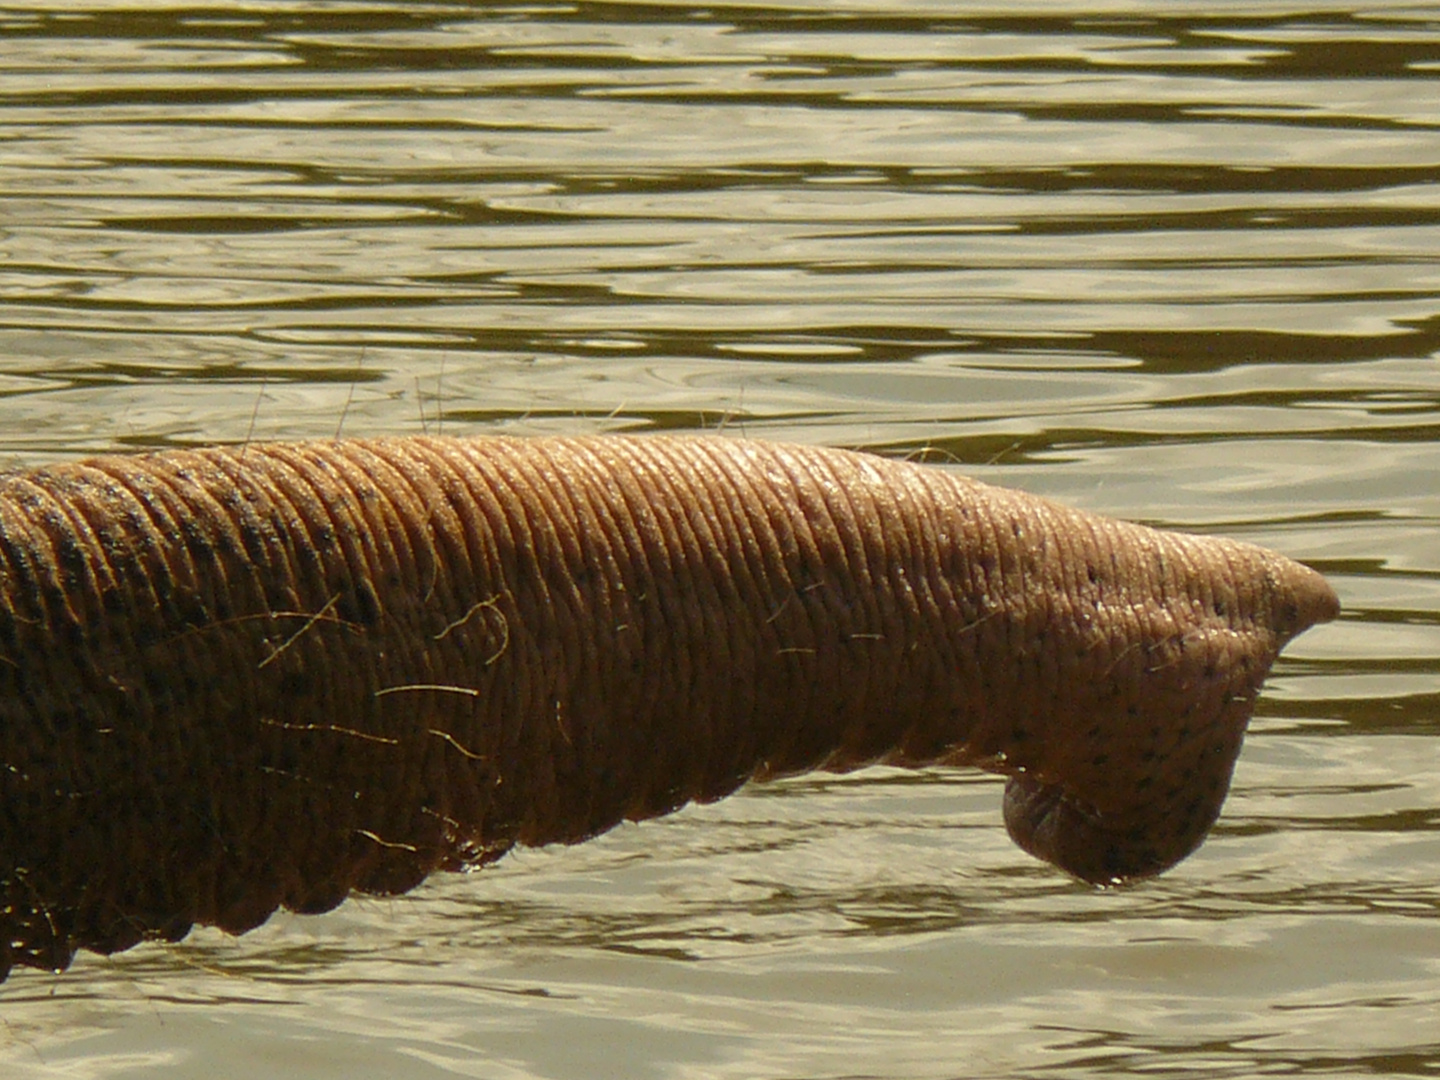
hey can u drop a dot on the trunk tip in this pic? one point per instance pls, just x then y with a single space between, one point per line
1303 598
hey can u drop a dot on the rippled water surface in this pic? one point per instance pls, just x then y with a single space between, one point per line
1173 261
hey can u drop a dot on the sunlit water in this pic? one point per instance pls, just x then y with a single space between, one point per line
1176 262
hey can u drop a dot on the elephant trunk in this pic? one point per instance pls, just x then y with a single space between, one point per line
234 679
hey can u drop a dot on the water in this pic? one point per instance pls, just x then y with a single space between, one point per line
1172 262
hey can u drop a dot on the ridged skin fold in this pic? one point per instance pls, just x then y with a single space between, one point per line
235 679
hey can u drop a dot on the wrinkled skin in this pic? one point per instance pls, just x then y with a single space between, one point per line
235 679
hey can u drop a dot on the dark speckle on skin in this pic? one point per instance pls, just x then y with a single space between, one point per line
359 605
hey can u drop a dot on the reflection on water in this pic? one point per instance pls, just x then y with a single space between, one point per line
1170 264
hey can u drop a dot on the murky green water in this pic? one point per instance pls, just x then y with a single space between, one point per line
1174 261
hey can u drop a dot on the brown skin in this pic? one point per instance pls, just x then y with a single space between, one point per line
235 679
